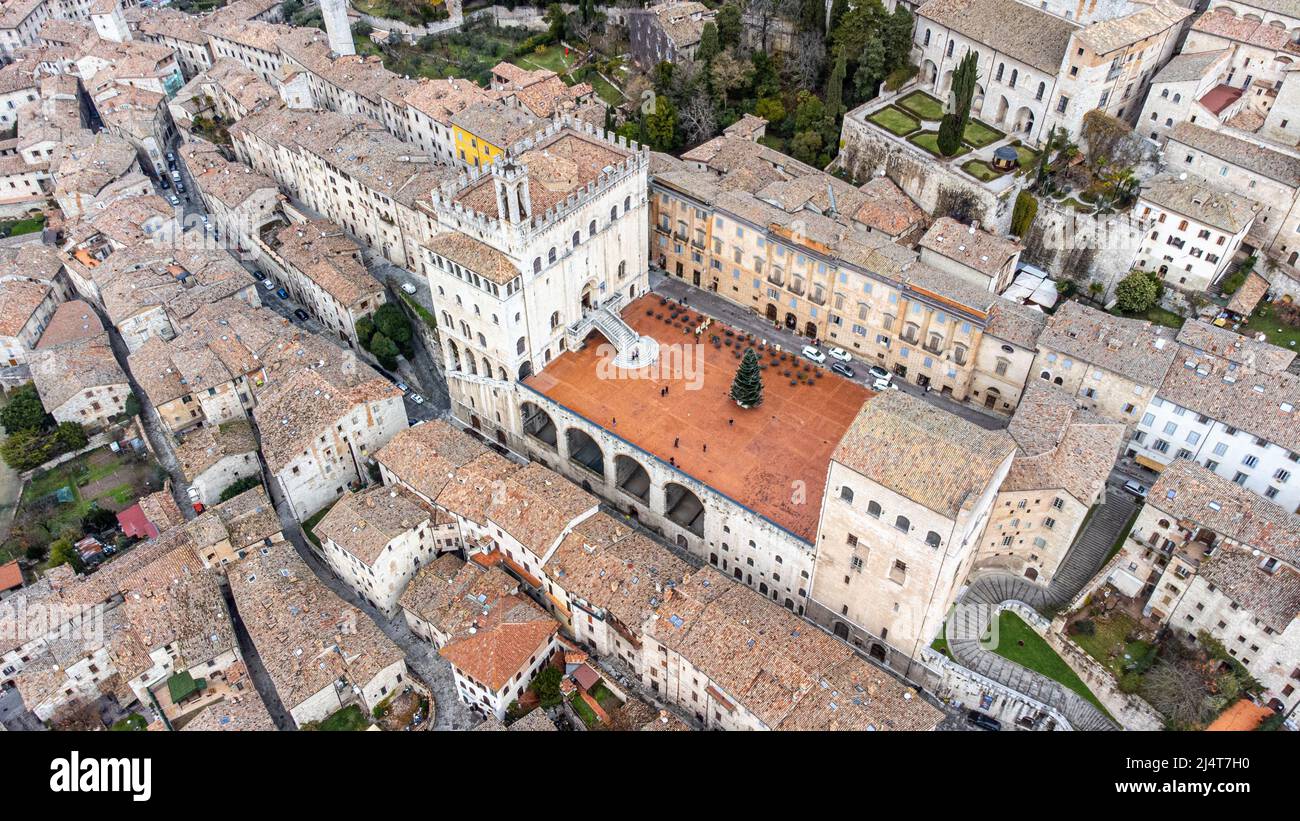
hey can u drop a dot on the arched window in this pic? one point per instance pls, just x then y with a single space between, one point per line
613 213
627 204
902 524
1042 88
575 239
999 74
555 320
537 265
591 229
927 38
932 539
1045 375
1015 73
873 509
622 269
550 256
846 493
519 346
1178 98
482 343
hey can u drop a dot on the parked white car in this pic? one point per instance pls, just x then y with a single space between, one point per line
840 354
814 354
408 287
883 385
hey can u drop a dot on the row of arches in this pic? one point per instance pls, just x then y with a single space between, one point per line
1023 119
680 504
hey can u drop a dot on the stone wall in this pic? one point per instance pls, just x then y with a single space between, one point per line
954 683
1131 711
1081 247
867 152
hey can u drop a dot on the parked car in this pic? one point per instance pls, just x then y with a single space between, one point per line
1136 488
173 199
814 354
883 385
840 354
878 372
983 720
403 387
268 284
301 314
176 175
163 184
408 287
842 369
281 293
180 186
171 158
416 398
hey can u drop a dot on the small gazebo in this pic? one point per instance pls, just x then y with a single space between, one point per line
1006 158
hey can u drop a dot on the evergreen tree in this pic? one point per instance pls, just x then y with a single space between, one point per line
661 126
812 16
954 120
747 387
729 25
838 9
1022 215
709 45
835 87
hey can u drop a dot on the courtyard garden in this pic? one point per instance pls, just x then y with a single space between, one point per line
1278 321
407 710
350 719
1190 682
914 117
54 503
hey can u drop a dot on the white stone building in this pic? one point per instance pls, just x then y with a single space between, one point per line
376 540
1191 230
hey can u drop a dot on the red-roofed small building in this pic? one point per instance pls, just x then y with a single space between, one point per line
134 523
11 578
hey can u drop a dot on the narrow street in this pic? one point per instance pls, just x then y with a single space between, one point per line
421 656
256 670
746 320
160 439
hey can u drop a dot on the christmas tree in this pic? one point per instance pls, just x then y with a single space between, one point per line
747 387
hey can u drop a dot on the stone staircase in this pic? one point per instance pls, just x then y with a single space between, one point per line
632 349
970 620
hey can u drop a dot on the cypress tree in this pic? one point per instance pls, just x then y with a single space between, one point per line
954 121
747 387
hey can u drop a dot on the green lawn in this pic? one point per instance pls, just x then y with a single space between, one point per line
1028 156
584 711
132 723
1156 316
348 720
941 644
25 226
604 89
1018 642
1264 319
308 526
1111 637
929 140
895 120
78 475
981 170
979 135
607 700
551 57
923 105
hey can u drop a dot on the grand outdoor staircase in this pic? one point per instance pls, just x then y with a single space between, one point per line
632 349
968 625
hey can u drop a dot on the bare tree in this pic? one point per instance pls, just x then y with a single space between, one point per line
77 715
808 59
698 119
1177 689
